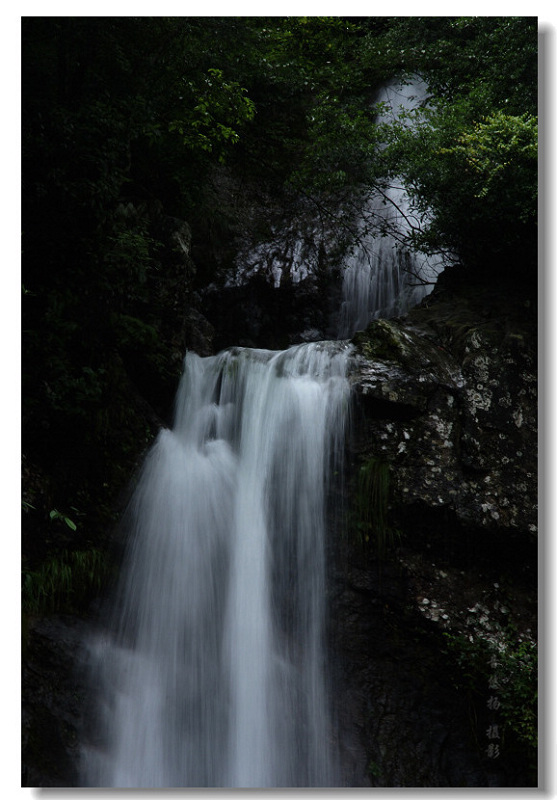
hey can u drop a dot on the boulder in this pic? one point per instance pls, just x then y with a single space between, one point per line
447 397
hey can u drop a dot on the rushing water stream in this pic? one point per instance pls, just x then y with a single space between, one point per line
215 672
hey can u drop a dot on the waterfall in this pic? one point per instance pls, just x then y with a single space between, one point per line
214 671
382 277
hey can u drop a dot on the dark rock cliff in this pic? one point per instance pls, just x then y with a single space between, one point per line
434 589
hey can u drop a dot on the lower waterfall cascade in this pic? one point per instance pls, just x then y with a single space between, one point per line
214 672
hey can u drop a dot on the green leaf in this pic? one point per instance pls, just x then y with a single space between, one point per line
55 514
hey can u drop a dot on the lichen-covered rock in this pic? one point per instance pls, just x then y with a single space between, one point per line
445 404
395 700
448 399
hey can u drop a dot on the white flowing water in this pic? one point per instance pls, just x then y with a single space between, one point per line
214 673
382 277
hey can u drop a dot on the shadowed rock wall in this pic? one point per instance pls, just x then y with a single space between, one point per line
445 411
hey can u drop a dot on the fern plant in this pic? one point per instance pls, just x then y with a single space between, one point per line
64 583
371 506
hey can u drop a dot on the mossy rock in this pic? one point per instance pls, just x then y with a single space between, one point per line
384 340
410 350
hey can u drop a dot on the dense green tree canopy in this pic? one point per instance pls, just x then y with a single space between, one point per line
473 157
469 158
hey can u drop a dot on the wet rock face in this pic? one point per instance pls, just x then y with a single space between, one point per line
448 400
406 715
53 695
402 722
445 403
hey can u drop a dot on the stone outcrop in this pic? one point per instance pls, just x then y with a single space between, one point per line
447 397
445 403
